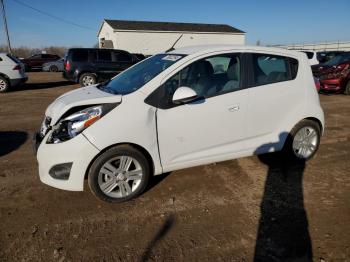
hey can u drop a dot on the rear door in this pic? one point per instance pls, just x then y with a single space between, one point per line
273 98
105 65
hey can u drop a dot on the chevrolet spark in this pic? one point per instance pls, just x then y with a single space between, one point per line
187 107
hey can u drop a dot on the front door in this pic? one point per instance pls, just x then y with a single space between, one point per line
211 128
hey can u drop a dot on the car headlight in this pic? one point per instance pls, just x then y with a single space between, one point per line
72 125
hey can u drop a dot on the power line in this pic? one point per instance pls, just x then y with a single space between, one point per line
53 16
5 27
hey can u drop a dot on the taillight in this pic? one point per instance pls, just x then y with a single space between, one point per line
17 67
67 65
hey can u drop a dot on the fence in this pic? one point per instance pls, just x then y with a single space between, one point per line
331 46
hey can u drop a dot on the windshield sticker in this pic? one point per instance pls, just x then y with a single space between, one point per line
171 57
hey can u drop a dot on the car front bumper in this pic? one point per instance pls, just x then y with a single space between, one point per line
76 153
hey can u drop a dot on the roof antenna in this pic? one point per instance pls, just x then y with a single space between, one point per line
172 47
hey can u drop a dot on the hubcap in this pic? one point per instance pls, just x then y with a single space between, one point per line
2 84
305 142
88 81
120 176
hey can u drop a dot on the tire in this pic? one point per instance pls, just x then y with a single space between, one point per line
4 84
53 68
87 79
110 182
303 141
347 88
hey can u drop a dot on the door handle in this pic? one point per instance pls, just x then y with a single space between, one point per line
233 108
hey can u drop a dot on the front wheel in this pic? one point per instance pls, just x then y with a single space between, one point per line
119 174
347 88
303 141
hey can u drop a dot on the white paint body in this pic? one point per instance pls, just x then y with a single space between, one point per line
237 124
153 42
6 68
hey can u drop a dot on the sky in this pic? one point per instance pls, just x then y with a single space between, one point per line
267 21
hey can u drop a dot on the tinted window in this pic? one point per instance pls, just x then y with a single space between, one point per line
342 58
80 56
123 57
35 57
271 69
104 55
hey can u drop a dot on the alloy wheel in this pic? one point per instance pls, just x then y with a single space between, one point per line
305 142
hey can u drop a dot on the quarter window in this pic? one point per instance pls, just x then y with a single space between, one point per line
80 56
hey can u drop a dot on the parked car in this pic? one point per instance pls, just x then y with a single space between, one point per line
325 56
89 66
174 111
12 72
334 75
54 66
36 61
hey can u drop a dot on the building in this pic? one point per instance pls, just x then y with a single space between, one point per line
149 38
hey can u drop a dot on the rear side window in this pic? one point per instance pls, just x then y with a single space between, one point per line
80 56
122 57
13 58
104 55
272 69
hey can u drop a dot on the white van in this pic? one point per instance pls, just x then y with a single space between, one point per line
188 107
11 72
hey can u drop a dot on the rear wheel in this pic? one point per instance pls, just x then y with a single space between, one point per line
87 79
303 141
53 68
119 174
4 84
347 88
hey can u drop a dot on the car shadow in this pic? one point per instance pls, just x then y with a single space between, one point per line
283 233
11 140
155 180
163 230
34 86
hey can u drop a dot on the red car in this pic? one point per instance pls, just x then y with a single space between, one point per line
334 75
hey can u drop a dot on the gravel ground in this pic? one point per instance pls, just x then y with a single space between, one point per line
251 208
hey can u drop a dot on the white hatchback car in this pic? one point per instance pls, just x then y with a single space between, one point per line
184 108
11 72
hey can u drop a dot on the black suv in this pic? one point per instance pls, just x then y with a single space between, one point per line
89 66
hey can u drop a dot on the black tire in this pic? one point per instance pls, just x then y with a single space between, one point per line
4 84
87 79
288 149
95 176
53 68
347 88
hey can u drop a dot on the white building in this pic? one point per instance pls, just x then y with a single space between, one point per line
149 38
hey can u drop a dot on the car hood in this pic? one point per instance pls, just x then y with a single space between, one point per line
90 95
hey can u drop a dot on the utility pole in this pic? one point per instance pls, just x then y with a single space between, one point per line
5 27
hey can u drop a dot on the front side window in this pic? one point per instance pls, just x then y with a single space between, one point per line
270 69
104 55
209 77
135 77
122 57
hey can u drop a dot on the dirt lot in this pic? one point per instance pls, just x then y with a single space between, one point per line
241 210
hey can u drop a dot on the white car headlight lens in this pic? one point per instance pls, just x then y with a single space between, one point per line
72 125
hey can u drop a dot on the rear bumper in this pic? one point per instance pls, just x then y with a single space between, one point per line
18 81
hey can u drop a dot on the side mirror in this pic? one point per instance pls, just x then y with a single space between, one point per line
184 94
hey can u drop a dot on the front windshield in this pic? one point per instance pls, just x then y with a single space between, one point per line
137 76
338 60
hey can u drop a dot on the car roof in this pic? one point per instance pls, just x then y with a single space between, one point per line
189 50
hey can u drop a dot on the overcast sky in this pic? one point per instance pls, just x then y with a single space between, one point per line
269 21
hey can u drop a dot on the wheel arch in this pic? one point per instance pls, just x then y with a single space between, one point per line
318 121
136 146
